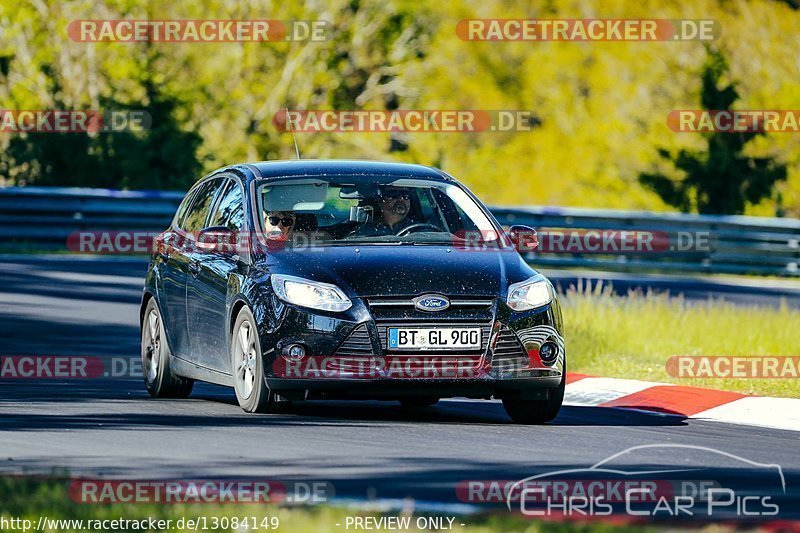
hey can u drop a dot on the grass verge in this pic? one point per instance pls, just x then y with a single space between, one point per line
632 336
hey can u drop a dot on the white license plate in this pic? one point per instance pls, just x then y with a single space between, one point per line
434 338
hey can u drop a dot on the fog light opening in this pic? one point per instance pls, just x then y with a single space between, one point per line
293 352
548 352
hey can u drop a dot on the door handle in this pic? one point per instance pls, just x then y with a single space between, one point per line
194 268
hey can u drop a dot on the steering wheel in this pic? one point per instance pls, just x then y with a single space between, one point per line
413 228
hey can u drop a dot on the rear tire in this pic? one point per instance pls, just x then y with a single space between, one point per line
419 401
247 368
530 412
158 379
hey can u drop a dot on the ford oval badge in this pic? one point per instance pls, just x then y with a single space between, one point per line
431 302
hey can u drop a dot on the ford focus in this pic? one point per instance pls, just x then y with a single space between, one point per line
302 280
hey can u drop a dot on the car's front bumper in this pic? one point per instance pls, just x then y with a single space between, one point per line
389 389
350 357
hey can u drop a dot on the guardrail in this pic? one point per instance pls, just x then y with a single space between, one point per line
43 219
694 243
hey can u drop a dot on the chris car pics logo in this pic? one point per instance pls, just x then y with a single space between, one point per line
641 482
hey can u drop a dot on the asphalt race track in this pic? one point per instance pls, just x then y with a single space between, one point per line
366 450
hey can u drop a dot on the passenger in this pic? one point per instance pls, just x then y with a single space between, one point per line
279 225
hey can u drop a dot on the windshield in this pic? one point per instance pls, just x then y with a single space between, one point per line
381 211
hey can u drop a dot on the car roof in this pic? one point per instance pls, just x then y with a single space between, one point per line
344 167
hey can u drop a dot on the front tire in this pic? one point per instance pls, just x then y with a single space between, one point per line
530 412
247 367
158 379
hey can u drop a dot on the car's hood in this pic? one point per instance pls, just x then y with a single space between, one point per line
402 270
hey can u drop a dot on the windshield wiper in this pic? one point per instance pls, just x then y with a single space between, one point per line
353 243
389 243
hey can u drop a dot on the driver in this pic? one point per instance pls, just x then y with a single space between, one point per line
394 205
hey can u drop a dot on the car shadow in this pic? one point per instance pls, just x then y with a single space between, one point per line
448 411
475 412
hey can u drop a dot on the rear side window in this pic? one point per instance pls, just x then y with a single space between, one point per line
180 217
230 210
201 206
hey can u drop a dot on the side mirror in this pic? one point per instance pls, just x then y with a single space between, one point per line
524 238
217 239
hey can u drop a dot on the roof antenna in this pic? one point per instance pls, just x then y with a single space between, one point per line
291 128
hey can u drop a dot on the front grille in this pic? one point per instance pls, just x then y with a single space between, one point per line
434 363
508 350
357 356
403 301
357 366
357 344
425 365
462 309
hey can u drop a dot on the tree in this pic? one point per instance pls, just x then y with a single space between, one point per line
721 180
162 156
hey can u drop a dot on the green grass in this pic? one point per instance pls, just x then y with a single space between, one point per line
633 336
29 498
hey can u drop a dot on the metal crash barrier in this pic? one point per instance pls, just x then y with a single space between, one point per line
43 219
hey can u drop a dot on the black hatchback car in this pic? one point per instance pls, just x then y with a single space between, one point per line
302 280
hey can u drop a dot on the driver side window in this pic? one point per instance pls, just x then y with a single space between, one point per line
455 217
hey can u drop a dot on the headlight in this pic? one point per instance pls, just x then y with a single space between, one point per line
529 294
307 293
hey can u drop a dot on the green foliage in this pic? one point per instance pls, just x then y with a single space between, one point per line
601 107
162 157
159 157
721 180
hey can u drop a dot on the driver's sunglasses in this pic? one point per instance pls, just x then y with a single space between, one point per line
393 195
284 221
